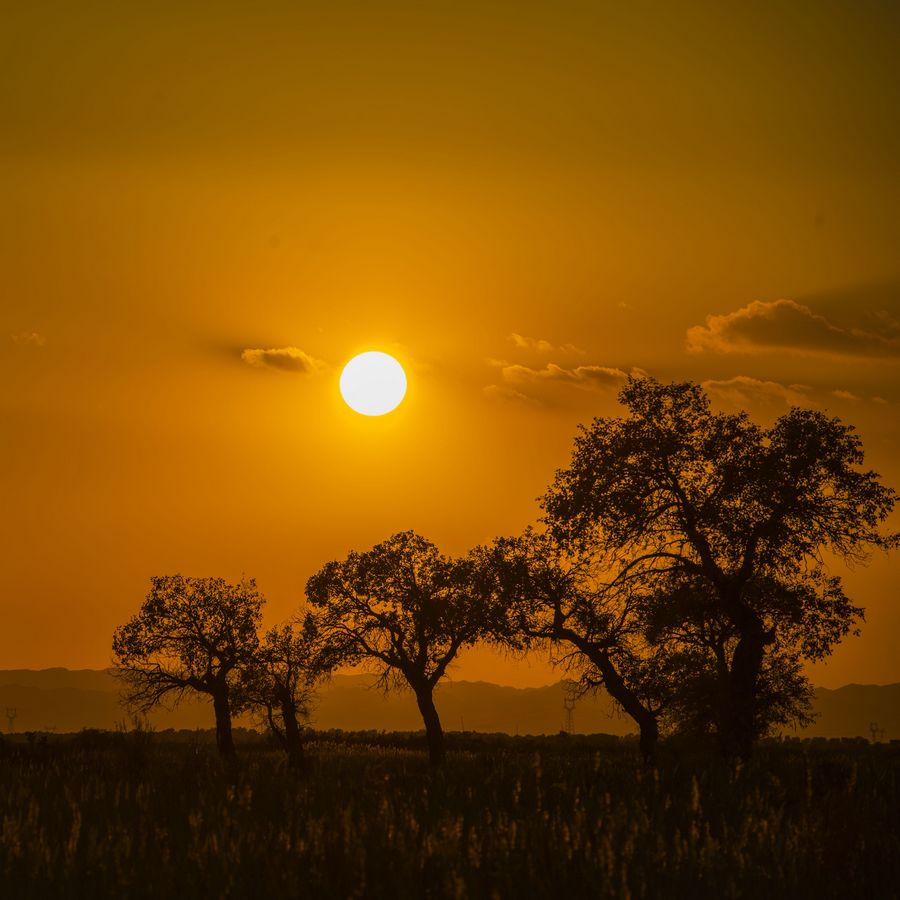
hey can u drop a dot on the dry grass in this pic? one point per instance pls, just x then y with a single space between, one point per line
130 816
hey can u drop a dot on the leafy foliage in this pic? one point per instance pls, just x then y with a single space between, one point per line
404 609
401 607
191 635
547 594
281 679
707 536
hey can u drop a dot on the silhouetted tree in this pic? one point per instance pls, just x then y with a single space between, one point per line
404 608
191 635
281 680
674 497
545 595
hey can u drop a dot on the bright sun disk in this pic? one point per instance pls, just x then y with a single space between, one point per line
373 383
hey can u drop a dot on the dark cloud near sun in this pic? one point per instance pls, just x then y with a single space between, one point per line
283 359
785 325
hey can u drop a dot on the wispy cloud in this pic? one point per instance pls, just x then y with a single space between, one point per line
581 376
785 325
283 359
29 339
547 384
508 394
742 391
539 345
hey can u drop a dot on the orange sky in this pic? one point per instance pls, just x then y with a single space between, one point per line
521 202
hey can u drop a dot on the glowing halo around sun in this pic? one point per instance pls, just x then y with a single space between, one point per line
373 383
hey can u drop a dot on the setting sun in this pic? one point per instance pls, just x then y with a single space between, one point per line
373 383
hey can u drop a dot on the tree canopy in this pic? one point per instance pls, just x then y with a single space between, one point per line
676 501
404 609
548 595
281 679
191 635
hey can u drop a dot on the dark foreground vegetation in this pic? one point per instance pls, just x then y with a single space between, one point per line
137 815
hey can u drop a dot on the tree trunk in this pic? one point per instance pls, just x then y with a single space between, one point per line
739 726
224 739
273 726
293 739
433 731
645 718
740 729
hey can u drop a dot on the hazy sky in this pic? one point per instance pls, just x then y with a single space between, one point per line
522 202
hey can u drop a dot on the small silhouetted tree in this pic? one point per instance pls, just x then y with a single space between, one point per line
547 596
192 635
281 680
404 609
673 497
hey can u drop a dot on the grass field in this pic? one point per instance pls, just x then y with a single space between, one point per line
139 816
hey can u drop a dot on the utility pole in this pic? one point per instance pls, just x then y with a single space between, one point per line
11 717
570 696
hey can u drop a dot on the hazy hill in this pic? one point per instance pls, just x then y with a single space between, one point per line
67 700
463 706
848 711
70 700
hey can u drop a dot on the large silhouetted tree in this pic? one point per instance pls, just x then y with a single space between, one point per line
406 610
192 635
281 680
675 499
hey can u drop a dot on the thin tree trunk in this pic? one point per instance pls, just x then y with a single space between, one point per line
292 737
273 726
224 739
433 731
645 718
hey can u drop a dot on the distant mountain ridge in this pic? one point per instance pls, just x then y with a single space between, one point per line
68 700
